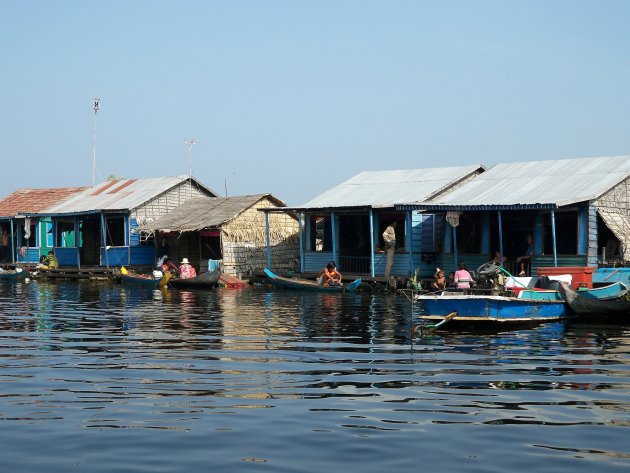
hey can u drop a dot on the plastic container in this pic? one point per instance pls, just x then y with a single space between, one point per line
582 276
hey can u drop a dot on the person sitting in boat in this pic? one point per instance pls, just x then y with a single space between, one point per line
186 270
439 282
462 277
527 256
330 276
168 265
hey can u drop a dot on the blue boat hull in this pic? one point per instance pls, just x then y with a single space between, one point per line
492 308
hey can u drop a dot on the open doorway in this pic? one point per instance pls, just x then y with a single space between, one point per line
354 243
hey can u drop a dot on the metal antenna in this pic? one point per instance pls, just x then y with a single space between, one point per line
190 143
96 104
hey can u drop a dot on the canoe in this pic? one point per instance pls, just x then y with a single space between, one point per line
12 274
584 306
129 277
203 281
493 309
308 285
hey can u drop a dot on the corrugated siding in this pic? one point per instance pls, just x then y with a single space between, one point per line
67 256
31 255
134 235
399 268
142 255
117 256
315 261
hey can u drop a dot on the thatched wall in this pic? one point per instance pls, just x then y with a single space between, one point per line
244 241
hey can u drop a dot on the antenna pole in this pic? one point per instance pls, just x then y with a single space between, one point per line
190 143
96 104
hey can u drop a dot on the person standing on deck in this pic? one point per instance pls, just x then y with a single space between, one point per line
389 237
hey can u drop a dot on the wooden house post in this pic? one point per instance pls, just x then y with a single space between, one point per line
268 240
77 240
582 246
104 238
500 235
371 242
300 236
553 232
333 230
12 243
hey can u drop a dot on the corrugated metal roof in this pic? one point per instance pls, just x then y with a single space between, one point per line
387 188
539 183
27 201
122 194
205 212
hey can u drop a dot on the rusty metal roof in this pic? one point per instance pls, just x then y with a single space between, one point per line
35 200
387 188
206 212
121 194
535 184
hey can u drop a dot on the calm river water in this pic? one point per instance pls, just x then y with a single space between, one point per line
101 378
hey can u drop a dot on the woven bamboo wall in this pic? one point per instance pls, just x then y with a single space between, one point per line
245 243
615 206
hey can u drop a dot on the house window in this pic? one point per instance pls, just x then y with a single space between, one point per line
115 231
321 233
384 220
566 233
65 236
469 233
50 237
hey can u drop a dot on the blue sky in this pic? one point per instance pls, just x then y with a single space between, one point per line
293 97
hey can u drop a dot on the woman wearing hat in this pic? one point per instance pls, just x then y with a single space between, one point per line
186 271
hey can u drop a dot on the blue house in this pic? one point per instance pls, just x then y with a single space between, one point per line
98 226
345 224
576 212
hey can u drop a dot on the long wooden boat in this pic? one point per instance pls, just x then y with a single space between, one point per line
308 285
488 308
130 277
203 281
584 306
12 274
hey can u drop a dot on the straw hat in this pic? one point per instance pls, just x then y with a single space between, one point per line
184 261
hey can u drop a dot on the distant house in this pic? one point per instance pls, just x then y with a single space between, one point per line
345 223
29 238
231 231
98 226
576 210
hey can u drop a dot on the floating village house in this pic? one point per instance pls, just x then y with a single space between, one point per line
232 232
345 224
27 239
106 217
577 212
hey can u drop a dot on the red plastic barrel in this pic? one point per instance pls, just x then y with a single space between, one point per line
581 276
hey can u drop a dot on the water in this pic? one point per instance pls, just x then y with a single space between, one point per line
100 378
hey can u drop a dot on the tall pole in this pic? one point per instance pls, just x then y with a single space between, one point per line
190 143
96 104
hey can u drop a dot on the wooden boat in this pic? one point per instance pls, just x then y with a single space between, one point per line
12 274
203 281
583 305
130 277
488 308
308 285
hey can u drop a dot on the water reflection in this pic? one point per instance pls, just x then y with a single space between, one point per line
330 370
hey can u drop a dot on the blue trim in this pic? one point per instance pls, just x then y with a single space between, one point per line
12 244
372 241
582 231
77 240
446 207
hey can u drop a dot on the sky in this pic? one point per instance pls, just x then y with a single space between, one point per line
293 97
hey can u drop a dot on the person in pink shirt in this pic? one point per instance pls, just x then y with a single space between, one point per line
186 271
462 277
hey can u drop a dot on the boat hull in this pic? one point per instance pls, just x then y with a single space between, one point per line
492 308
307 285
617 309
139 280
203 281
12 275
